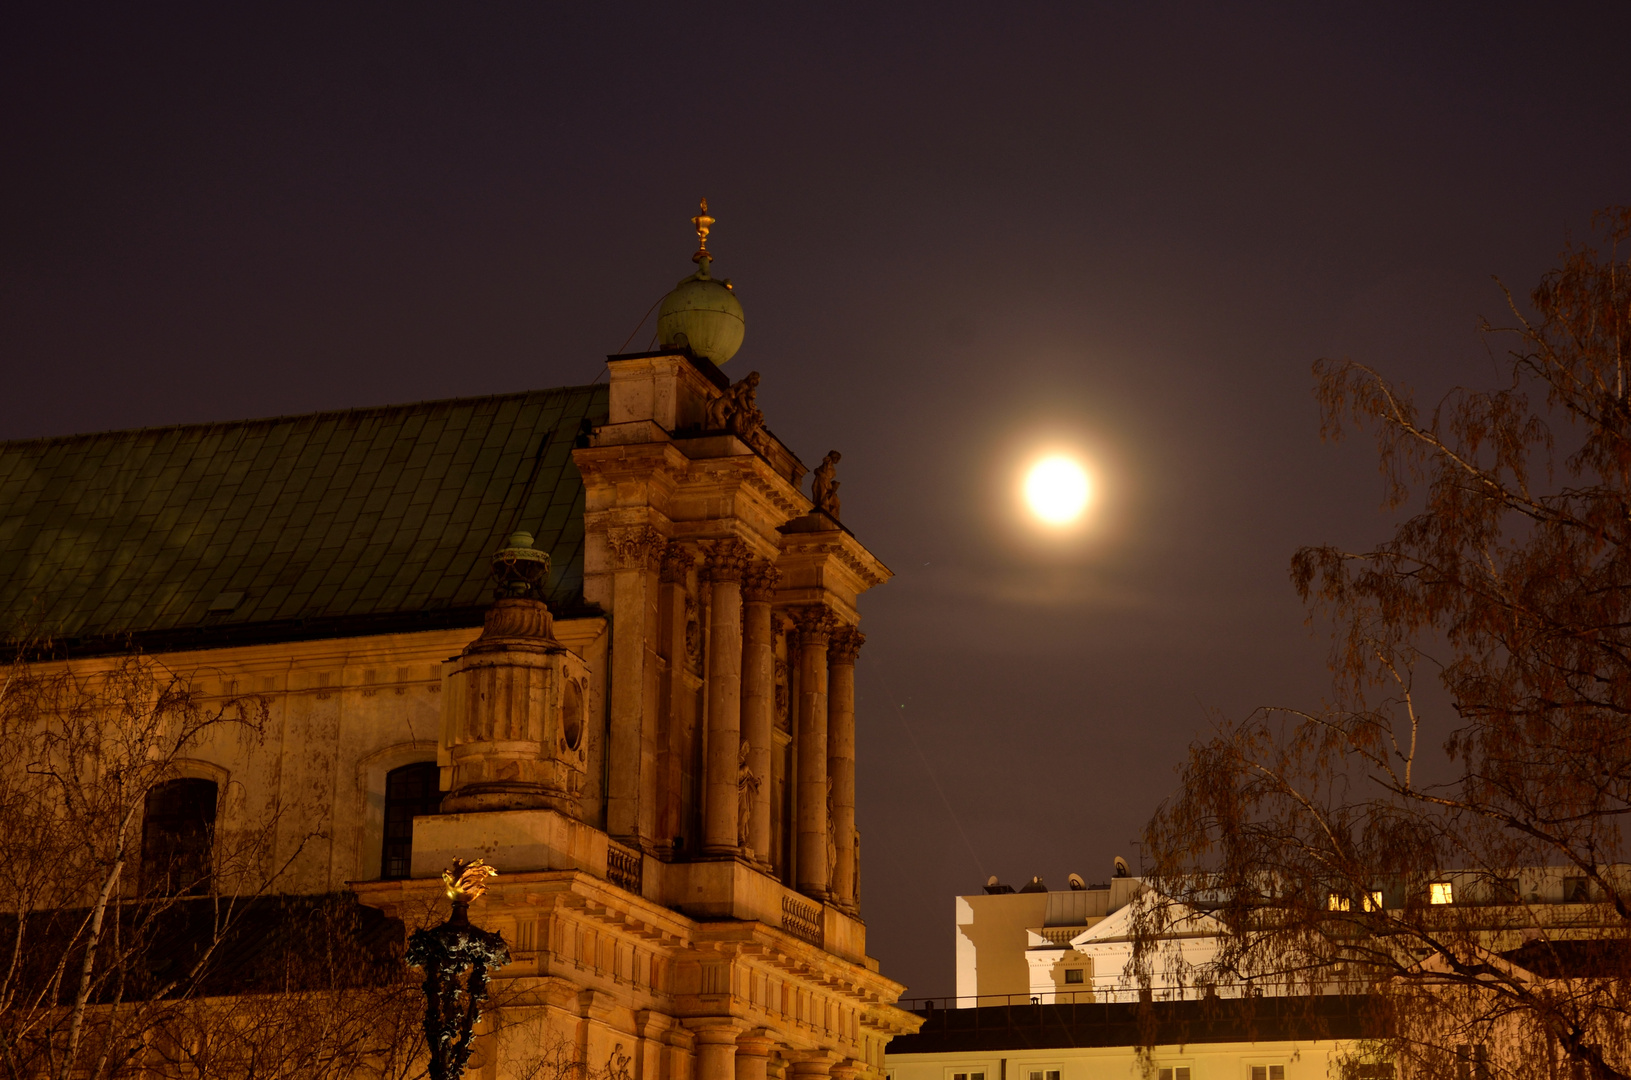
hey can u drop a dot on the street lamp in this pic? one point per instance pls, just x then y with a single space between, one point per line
452 1007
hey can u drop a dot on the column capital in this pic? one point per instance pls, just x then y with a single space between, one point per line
845 645
846 1070
677 562
715 1030
813 1063
760 581
756 1043
727 560
815 623
635 547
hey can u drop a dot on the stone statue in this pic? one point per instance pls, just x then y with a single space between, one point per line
746 419
747 786
823 488
617 1063
735 411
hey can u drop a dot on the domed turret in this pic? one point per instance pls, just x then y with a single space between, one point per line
702 313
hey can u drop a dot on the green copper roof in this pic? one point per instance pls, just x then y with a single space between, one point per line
361 521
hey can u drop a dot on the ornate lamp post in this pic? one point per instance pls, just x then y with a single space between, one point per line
445 952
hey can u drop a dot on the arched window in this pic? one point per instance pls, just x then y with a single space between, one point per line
178 837
412 789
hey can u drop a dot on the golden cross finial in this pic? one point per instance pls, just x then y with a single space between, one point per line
703 223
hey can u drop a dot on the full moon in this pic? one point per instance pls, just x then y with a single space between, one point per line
1057 490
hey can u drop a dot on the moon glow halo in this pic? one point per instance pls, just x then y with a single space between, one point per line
1057 490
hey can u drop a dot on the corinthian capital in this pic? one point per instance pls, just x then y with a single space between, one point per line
845 645
815 624
635 547
760 581
727 560
677 561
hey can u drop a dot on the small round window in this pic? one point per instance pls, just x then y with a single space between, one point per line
572 714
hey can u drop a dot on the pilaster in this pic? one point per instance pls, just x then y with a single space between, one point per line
636 555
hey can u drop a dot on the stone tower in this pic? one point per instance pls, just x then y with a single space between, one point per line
666 780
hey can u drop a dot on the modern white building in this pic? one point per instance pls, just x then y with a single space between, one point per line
1039 946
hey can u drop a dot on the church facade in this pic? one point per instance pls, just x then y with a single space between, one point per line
600 637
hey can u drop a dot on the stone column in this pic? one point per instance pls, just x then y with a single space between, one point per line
726 563
758 700
677 702
753 1055
815 626
716 1047
846 644
630 795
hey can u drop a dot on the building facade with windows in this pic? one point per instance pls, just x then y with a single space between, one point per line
1041 946
601 636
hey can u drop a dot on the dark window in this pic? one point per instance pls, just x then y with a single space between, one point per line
178 834
1472 1062
1073 975
412 789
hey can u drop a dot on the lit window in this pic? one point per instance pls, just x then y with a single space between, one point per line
410 790
1073 975
178 837
1334 902
1373 900
1441 892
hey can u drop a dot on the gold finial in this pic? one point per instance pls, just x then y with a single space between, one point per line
703 223
467 880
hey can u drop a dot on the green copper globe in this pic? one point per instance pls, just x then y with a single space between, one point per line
701 313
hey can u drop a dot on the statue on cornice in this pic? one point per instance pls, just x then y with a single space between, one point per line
735 411
823 488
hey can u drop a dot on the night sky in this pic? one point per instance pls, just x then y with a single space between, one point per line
959 232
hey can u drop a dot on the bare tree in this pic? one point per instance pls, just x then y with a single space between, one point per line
135 934
1378 846
320 993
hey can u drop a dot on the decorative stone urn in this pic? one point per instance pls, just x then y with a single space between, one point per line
516 722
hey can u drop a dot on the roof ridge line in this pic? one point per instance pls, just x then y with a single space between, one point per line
282 417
